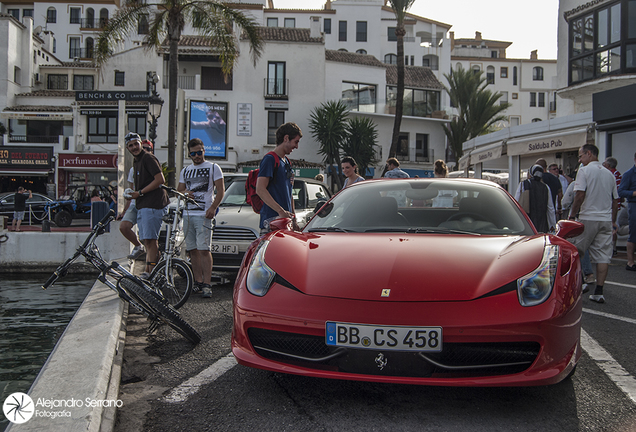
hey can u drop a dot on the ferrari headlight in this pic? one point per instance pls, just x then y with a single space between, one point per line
259 275
536 287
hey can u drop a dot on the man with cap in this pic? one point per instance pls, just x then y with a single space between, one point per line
129 216
150 199
595 201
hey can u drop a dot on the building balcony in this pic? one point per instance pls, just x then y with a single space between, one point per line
276 88
92 23
81 53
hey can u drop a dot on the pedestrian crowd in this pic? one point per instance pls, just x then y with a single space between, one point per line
598 196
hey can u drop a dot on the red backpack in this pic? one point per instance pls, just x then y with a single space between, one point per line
251 197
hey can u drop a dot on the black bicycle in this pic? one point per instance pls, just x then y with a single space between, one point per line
139 293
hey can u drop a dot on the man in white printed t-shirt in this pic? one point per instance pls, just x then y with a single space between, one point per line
198 181
595 202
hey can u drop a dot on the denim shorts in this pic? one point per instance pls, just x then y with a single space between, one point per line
197 231
131 214
18 215
149 223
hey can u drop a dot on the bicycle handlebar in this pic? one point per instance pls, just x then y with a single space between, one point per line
182 196
50 281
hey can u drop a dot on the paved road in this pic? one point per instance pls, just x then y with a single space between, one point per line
169 385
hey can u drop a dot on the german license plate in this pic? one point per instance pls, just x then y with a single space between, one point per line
395 338
225 248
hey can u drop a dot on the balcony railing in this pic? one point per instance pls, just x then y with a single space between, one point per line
185 82
34 139
93 23
81 53
276 88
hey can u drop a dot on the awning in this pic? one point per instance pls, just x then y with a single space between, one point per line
551 142
25 173
486 153
464 161
36 115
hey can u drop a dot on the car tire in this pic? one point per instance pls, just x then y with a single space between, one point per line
63 219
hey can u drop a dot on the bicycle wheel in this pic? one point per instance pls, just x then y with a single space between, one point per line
177 285
156 308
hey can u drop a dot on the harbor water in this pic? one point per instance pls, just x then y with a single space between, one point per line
31 322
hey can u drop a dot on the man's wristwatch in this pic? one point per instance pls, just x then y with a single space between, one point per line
140 194
572 218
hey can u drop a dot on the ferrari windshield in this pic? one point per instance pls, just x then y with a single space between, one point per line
446 206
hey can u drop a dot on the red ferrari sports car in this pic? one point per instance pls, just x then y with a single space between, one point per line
414 281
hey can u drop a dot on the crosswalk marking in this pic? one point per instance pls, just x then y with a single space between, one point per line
206 376
606 362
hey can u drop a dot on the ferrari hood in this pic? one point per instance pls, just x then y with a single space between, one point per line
414 267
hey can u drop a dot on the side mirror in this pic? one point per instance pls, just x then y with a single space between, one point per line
568 229
281 224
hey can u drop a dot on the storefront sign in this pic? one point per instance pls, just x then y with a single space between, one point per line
276 104
84 160
26 158
244 119
111 96
556 142
488 153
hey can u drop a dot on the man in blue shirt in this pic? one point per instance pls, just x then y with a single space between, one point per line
275 183
627 190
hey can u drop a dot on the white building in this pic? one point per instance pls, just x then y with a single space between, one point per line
298 71
596 73
529 85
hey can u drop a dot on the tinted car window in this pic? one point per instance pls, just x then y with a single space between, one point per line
410 206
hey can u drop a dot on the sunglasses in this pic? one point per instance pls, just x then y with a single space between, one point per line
196 153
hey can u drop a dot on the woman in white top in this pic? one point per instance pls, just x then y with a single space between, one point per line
350 171
444 198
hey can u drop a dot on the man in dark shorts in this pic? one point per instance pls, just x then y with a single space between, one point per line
19 207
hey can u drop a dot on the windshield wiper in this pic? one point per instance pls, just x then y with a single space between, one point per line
440 230
329 229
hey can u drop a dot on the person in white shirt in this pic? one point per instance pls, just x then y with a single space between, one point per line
198 181
595 202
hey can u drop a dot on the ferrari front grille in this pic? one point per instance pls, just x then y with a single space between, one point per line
456 359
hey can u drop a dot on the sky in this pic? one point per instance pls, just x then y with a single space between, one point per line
529 25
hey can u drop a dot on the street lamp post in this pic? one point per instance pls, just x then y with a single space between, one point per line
155 103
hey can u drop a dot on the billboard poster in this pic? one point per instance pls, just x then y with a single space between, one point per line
208 122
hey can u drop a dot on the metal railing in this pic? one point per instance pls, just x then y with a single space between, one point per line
276 87
81 53
93 23
185 82
34 139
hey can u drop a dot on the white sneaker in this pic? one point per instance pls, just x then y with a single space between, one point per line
136 252
597 298
586 288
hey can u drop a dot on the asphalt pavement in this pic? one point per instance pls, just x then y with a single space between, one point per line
170 385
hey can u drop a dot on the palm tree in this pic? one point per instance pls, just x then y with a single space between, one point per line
478 108
400 7
213 19
327 125
362 136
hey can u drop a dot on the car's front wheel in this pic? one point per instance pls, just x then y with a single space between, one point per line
63 218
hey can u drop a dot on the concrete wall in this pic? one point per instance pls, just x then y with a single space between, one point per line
42 251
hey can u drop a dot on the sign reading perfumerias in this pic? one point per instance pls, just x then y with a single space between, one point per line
86 160
26 158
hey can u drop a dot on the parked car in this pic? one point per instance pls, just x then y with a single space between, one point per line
384 285
36 204
76 203
237 225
